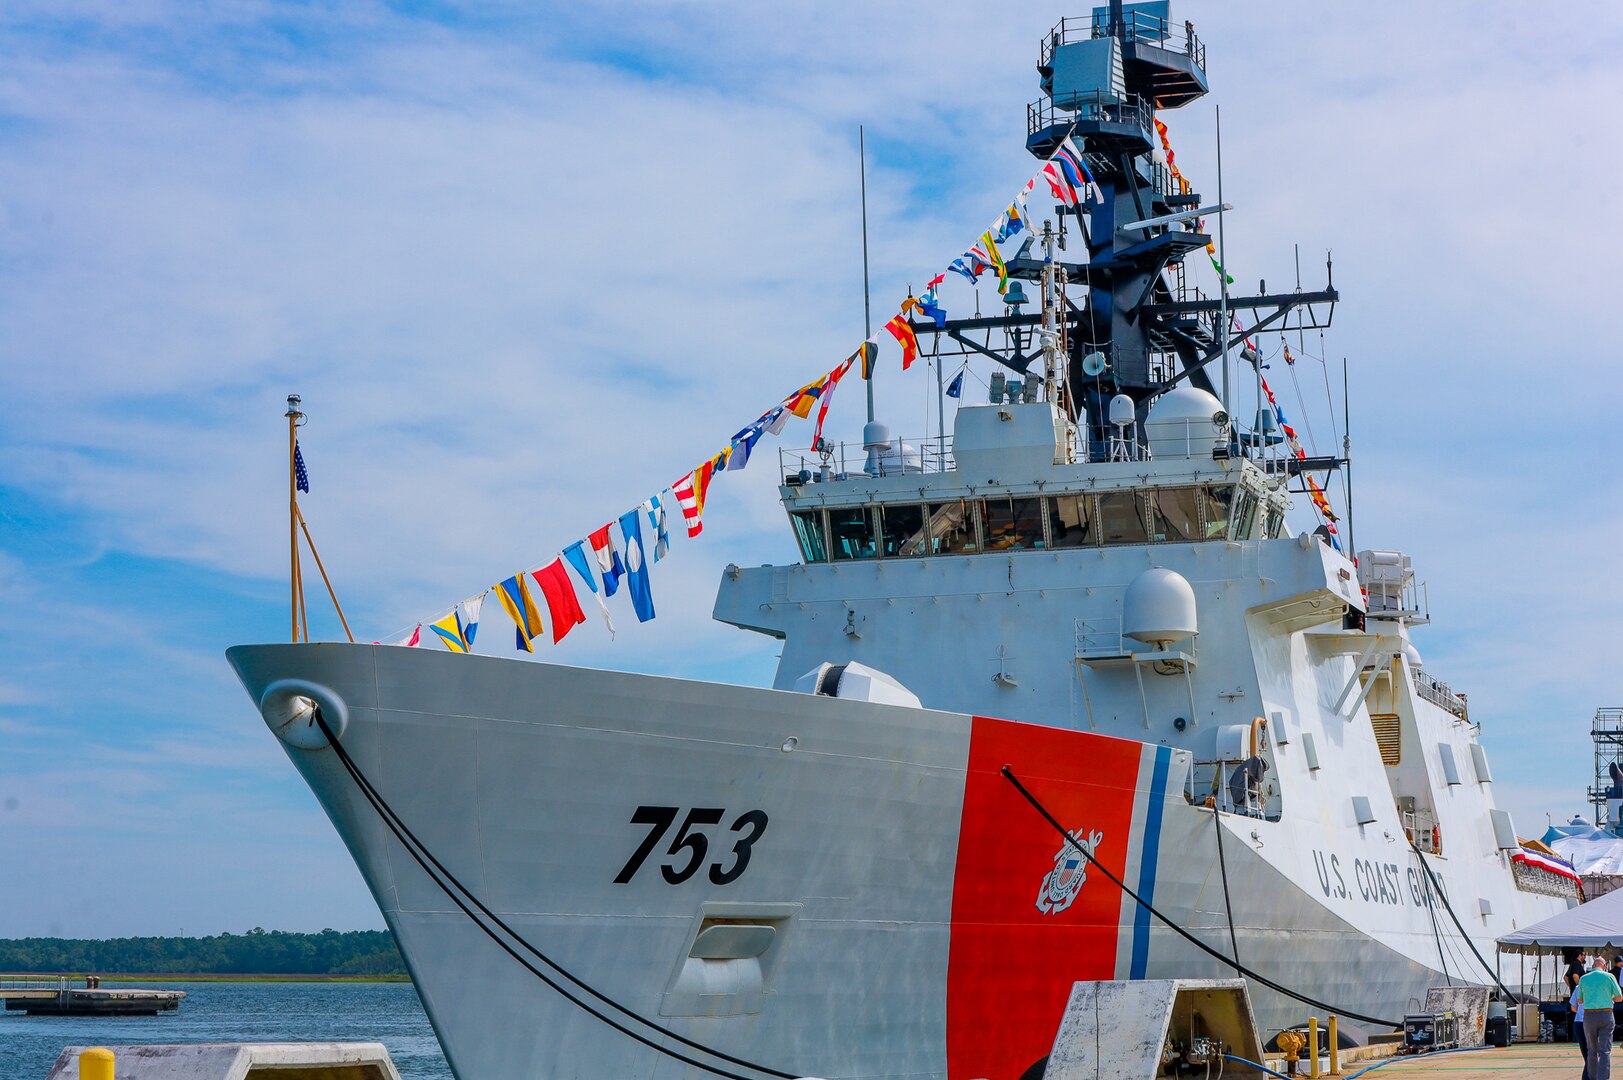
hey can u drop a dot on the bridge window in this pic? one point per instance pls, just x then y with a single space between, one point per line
1012 524
952 527
1121 518
901 530
851 533
1214 511
1276 523
1245 514
809 531
1175 514
1070 521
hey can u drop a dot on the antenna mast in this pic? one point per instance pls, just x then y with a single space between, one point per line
1223 270
867 304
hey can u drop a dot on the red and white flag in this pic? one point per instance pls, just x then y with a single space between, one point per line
689 492
692 509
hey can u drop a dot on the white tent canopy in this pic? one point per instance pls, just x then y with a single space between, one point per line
1597 925
1588 849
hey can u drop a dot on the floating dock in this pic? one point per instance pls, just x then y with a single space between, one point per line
57 995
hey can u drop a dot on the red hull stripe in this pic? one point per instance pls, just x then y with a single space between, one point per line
1027 921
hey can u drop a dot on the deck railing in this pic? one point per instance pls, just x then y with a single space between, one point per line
1131 110
841 460
1137 27
36 982
1441 695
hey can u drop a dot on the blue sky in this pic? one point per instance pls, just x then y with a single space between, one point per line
527 263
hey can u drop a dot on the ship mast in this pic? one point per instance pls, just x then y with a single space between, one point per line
1140 326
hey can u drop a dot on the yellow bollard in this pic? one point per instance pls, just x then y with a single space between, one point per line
1313 1046
96 1064
1335 1048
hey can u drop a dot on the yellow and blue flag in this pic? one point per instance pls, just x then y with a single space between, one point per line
996 260
515 599
449 630
458 628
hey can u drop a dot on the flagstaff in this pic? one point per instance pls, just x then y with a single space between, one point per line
298 479
294 418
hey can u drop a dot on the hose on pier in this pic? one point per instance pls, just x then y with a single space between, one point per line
1262 980
1412 1057
447 881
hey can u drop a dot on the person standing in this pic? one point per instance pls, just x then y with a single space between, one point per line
1575 970
1578 1029
1599 991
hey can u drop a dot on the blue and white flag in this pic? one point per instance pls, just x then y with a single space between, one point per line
575 555
956 387
469 611
743 443
300 476
655 508
773 419
636 565
608 560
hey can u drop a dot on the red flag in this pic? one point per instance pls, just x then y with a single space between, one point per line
560 593
834 378
903 333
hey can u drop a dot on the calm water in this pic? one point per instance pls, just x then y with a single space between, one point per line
242 1012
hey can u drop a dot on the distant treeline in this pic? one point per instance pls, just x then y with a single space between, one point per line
257 952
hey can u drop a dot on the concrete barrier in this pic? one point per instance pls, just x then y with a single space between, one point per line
239 1061
1134 1030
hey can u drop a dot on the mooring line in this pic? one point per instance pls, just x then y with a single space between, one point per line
1008 774
409 841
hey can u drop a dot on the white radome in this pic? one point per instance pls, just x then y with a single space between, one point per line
1184 423
1159 607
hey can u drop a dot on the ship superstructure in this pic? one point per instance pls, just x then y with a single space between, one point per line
1091 589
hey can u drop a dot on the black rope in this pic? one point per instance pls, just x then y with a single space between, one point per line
1222 867
1437 935
409 841
1448 907
1008 774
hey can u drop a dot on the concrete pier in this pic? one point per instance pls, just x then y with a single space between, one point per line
238 1061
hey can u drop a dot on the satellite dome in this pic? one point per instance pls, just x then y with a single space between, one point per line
1186 422
1122 411
1159 607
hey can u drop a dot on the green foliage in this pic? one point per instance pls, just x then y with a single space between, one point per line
257 952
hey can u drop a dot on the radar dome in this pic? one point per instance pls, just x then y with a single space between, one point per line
1186 422
1159 607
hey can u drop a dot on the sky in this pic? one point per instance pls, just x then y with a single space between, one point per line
527 264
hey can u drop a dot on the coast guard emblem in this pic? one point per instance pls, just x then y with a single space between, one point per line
1062 883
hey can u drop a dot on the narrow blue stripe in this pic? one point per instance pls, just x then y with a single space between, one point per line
1149 855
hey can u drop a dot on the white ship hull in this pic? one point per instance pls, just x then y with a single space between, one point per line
903 877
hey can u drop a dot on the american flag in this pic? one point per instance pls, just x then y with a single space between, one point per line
300 478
